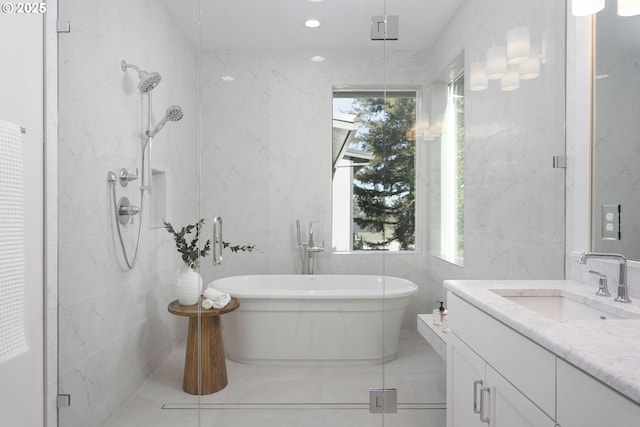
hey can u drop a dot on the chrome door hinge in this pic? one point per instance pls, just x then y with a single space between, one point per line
560 162
383 400
385 27
64 401
63 26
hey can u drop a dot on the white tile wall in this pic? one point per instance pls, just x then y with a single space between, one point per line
514 199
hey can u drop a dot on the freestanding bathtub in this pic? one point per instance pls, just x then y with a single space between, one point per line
314 318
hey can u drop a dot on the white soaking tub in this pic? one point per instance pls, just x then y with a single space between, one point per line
314 318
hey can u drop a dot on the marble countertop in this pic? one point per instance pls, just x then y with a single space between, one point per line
608 350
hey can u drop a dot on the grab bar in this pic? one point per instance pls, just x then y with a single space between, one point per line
217 241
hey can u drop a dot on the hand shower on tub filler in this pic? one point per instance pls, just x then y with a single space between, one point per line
310 249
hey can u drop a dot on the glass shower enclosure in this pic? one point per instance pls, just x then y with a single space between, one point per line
181 111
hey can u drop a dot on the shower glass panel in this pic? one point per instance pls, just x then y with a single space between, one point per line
224 108
128 84
266 119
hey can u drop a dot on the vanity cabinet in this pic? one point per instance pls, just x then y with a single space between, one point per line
584 401
465 369
520 382
477 395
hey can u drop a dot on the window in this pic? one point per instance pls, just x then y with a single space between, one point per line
452 175
374 171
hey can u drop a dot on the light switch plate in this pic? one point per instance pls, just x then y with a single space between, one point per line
611 222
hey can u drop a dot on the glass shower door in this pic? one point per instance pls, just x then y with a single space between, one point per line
215 113
267 83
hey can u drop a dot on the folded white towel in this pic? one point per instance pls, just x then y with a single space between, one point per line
207 304
219 299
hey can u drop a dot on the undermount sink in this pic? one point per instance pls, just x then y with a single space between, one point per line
564 306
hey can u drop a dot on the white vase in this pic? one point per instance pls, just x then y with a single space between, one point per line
188 285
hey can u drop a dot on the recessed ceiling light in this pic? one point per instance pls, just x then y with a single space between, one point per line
315 1
317 58
228 78
312 23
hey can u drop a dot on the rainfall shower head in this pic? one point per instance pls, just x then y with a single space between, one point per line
173 114
148 80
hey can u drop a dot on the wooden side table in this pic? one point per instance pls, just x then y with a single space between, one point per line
213 368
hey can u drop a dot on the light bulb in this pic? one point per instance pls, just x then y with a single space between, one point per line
530 68
511 80
496 62
518 45
478 77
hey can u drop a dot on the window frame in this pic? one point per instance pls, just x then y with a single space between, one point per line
405 91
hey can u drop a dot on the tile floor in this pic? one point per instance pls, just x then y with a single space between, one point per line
287 396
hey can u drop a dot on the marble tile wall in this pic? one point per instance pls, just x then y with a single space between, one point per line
266 154
114 328
514 199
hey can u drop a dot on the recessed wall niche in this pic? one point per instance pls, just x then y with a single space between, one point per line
158 199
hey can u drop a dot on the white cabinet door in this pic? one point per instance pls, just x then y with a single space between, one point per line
510 408
583 401
464 368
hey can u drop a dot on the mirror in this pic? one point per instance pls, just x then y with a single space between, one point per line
616 134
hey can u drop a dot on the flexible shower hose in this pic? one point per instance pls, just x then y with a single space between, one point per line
132 263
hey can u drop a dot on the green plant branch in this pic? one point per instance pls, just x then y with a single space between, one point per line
236 248
189 251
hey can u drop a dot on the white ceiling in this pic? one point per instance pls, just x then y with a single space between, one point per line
265 24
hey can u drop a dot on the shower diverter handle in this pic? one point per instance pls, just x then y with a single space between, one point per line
126 177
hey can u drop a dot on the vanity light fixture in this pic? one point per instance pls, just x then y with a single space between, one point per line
628 7
589 7
511 79
312 23
317 58
478 77
518 45
586 7
496 62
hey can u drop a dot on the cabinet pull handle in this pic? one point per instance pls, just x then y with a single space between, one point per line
483 419
476 383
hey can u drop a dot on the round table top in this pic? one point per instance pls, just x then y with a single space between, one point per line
196 310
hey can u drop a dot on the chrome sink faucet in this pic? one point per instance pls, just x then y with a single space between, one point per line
623 290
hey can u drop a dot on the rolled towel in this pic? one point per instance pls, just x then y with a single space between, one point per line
219 299
207 304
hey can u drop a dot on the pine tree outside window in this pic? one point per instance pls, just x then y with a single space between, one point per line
374 184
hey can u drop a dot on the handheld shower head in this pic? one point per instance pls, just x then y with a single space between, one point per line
148 80
173 114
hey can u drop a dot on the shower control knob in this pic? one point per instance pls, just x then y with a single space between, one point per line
126 210
126 177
